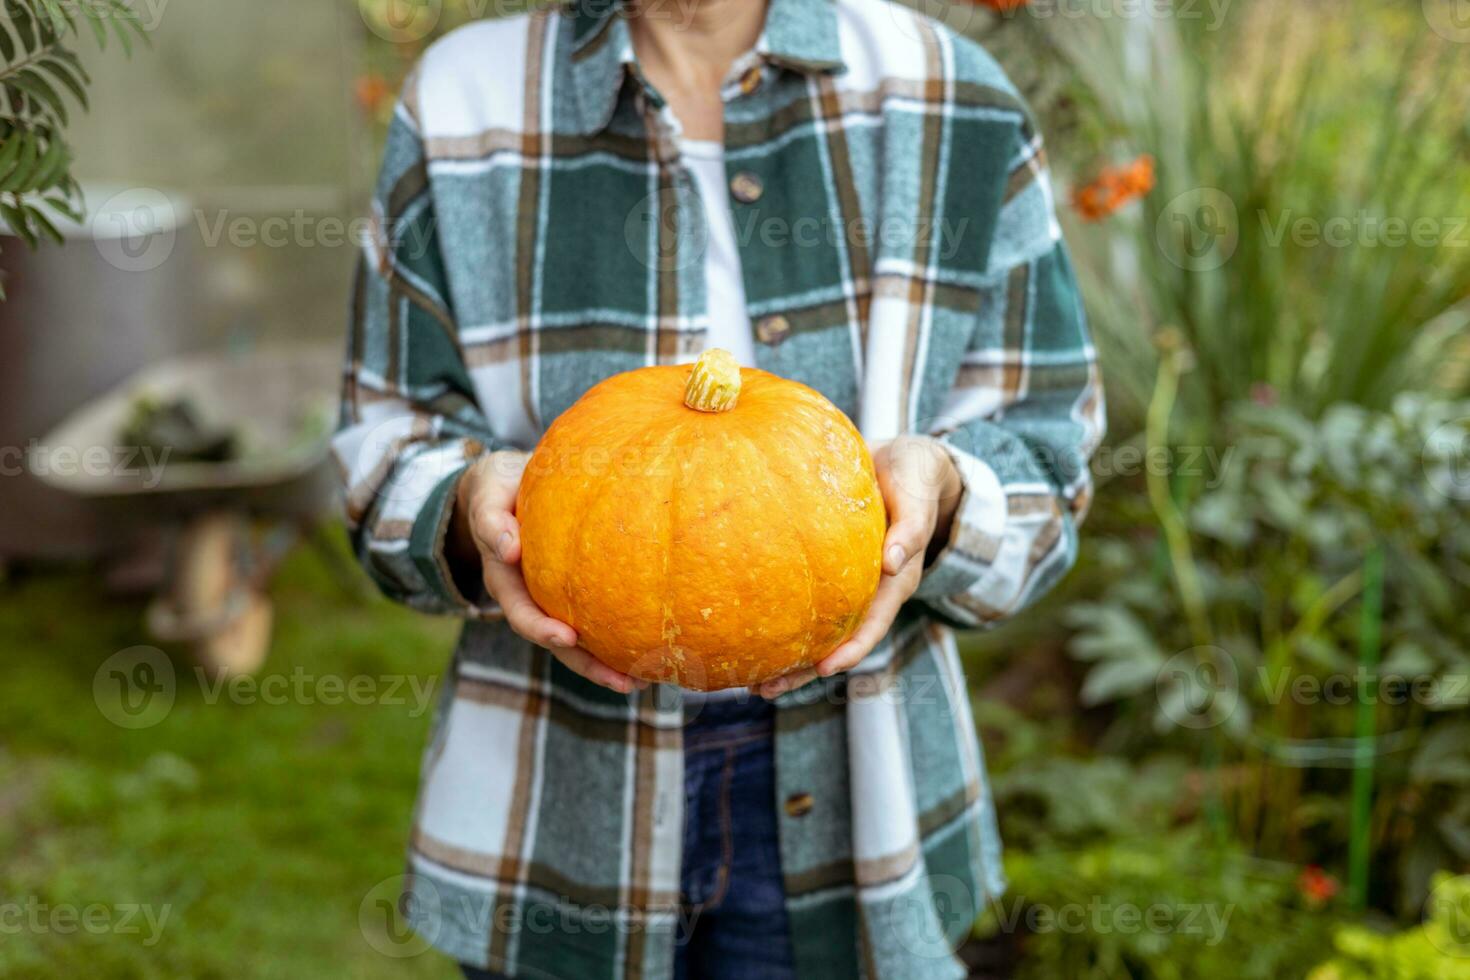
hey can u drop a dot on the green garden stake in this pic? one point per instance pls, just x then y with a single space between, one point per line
1364 730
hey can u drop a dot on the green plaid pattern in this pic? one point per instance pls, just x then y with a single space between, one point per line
536 232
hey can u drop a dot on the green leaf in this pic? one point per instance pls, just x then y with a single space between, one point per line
73 62
17 178
64 208
63 73
1322 651
136 23
35 85
99 31
1454 827
52 166
1110 631
1120 678
39 220
60 21
25 28
10 154
1444 755
16 219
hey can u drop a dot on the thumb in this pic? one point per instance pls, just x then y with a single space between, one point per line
499 535
908 537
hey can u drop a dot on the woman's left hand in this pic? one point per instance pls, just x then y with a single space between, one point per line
921 489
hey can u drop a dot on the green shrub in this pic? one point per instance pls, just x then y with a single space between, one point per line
1255 666
1168 906
1437 950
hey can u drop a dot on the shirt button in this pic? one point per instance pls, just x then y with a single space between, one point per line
799 804
751 80
746 187
772 330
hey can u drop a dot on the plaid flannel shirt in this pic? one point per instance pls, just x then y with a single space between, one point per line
536 232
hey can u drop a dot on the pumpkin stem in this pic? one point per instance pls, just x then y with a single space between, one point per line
714 384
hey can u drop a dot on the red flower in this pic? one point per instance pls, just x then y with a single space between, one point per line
1317 887
1114 187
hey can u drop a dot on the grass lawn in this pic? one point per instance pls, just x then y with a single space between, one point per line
239 836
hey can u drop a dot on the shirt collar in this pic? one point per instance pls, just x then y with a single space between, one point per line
799 34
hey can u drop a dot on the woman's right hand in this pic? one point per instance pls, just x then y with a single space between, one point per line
484 527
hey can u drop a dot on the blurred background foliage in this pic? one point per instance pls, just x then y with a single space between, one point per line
1281 315
1281 507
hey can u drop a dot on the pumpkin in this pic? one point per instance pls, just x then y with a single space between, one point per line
704 525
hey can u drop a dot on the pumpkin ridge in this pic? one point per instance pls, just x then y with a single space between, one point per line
588 548
800 536
808 418
676 431
698 448
575 555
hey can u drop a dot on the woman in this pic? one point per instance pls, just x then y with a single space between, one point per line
840 192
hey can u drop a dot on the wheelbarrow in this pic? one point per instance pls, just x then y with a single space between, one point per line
232 506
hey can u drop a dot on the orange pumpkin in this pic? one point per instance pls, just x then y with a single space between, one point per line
704 525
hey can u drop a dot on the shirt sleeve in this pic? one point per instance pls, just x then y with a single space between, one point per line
409 421
1024 417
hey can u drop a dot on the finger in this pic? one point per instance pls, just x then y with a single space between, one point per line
910 478
507 587
908 536
500 532
499 480
493 520
893 591
778 686
911 520
583 663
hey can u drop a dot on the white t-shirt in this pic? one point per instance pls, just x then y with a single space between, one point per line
729 323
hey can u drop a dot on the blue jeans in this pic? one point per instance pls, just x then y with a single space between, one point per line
734 924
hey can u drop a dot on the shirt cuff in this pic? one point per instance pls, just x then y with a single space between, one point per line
427 550
974 536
